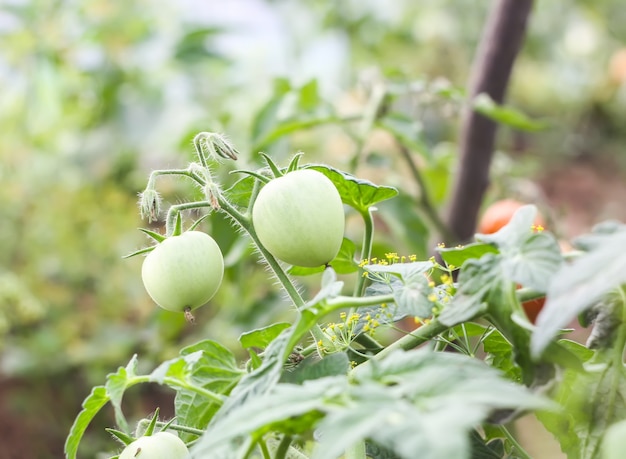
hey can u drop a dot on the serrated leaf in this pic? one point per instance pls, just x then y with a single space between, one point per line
591 402
429 400
357 193
284 401
411 294
332 365
91 406
261 337
577 286
343 263
208 365
508 116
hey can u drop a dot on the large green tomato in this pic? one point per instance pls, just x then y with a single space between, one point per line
299 218
162 445
183 272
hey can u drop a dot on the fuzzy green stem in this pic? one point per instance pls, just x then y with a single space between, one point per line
179 428
173 211
366 249
519 450
283 447
183 172
264 450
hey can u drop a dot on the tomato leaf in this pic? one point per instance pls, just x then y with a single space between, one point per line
597 394
116 384
261 337
343 263
357 193
508 116
430 400
456 256
577 286
476 279
412 293
91 406
207 365
314 368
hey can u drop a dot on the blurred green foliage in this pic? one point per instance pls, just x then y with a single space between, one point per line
98 93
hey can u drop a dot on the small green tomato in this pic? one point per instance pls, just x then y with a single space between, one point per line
183 272
162 445
299 218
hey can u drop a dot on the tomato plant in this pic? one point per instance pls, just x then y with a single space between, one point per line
299 218
183 272
327 384
161 445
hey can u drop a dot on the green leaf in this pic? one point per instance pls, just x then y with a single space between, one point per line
508 116
599 232
357 193
430 400
412 293
240 192
91 406
261 337
501 355
591 401
192 46
476 279
407 130
115 386
314 368
283 402
267 117
343 263
528 258
577 286
458 255
208 365
309 98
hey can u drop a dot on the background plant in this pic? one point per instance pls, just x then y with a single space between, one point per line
97 95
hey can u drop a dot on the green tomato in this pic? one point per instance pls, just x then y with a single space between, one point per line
183 272
162 445
614 441
299 218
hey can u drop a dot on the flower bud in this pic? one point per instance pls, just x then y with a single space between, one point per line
150 204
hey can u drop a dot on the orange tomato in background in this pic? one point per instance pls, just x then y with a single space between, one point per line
499 214
495 217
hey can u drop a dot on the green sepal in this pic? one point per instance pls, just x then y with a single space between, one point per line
272 165
150 430
153 234
122 437
140 251
295 162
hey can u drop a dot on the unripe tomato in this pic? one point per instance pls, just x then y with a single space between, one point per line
183 272
162 445
614 441
499 214
299 218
